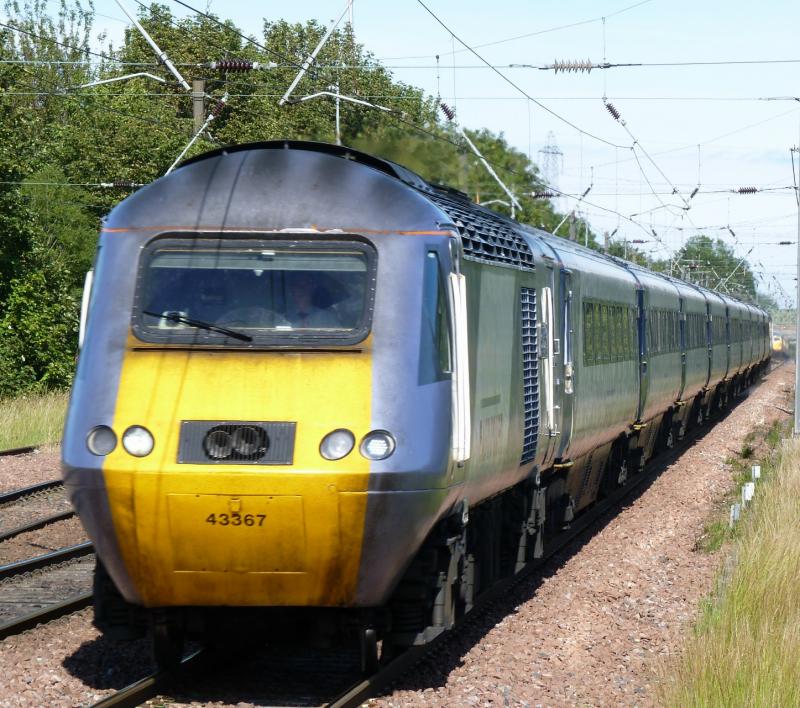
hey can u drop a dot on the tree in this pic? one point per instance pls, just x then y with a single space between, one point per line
712 263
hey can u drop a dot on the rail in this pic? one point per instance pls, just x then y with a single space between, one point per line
62 554
47 614
19 450
149 687
15 494
38 524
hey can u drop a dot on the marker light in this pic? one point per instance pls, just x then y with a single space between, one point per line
377 445
137 441
336 445
101 440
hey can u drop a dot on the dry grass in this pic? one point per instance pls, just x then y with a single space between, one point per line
746 647
34 419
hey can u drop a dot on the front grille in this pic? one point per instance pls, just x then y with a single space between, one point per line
214 442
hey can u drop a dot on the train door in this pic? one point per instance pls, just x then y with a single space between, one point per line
728 333
461 405
711 342
567 387
644 377
547 354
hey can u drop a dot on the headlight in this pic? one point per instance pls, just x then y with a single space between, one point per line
377 445
248 441
218 444
336 445
101 440
137 441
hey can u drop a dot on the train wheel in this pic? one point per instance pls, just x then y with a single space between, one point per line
369 651
168 639
669 441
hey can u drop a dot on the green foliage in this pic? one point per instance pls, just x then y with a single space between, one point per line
64 229
38 333
58 132
711 262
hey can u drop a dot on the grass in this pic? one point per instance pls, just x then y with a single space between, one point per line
32 419
745 650
761 440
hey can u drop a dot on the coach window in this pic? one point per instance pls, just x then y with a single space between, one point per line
588 333
632 333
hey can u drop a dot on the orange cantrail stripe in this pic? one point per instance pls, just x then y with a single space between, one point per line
231 231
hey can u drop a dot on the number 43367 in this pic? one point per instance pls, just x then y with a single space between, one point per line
236 519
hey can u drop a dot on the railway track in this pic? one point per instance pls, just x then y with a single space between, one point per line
44 588
19 450
355 689
45 500
16 494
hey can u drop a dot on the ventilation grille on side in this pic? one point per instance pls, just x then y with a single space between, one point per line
486 237
530 372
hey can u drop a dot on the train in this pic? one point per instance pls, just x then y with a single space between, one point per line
320 399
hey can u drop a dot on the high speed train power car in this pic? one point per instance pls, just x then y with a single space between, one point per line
321 398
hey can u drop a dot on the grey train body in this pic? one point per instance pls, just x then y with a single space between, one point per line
575 367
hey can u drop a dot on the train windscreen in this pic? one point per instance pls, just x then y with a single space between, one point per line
254 292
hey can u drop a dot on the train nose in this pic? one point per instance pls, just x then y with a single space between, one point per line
269 539
214 533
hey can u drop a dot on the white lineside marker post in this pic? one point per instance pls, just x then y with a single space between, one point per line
734 517
748 491
756 470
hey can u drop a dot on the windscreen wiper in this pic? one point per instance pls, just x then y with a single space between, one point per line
200 324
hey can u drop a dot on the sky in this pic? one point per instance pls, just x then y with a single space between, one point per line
721 125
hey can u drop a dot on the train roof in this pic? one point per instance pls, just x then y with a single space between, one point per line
486 235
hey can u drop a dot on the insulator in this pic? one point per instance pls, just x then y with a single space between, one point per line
731 231
747 190
543 195
613 111
123 184
217 108
611 235
655 235
694 192
785 243
232 65
449 112
576 66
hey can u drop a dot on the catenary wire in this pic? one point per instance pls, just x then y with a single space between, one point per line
512 83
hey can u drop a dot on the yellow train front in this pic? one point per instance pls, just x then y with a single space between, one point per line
224 433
